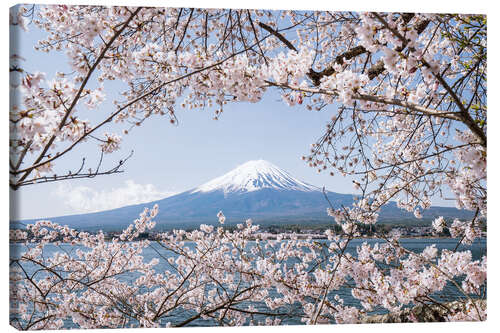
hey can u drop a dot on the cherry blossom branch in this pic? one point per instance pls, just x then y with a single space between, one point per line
376 99
130 103
76 98
464 115
77 174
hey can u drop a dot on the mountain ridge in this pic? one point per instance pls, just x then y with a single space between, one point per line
255 189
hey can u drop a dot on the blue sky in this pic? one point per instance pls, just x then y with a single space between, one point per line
170 159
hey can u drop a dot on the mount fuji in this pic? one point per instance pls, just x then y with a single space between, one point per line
256 189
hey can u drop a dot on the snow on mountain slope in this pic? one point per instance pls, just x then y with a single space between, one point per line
255 175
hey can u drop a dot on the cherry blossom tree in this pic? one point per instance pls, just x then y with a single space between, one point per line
407 94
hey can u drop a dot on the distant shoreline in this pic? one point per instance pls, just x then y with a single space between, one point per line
288 237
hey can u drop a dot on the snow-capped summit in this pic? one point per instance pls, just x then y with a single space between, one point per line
255 175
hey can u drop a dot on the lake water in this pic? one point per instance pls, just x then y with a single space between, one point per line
478 249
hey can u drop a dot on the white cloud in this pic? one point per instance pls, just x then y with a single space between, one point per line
83 199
